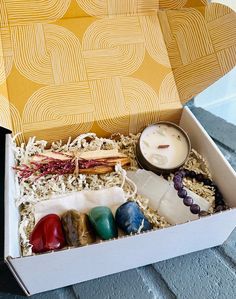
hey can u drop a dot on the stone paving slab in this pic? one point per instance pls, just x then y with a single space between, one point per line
229 249
64 293
128 284
206 274
217 127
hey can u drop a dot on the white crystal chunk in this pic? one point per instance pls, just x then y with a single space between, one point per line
173 209
164 198
150 185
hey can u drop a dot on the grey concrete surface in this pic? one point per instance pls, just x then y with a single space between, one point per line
206 274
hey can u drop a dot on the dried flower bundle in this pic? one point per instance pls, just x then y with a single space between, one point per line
51 163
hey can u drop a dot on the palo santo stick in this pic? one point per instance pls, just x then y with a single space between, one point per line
59 164
50 155
113 162
90 155
103 169
101 154
96 170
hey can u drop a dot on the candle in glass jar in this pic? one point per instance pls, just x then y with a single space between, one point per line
164 146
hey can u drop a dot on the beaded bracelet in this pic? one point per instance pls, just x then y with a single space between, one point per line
187 200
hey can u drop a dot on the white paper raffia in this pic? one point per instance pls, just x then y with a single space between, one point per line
78 140
141 227
23 152
127 180
24 236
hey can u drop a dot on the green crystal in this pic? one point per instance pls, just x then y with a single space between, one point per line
103 222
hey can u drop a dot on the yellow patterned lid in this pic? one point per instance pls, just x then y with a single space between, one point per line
73 66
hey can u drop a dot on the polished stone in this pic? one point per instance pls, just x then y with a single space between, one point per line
47 234
103 222
77 228
131 219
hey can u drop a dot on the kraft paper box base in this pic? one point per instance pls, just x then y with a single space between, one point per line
72 66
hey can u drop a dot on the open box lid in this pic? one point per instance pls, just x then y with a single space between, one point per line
71 66
3 133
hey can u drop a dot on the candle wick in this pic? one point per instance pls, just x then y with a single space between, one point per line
163 146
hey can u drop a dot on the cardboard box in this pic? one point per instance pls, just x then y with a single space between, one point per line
53 270
111 66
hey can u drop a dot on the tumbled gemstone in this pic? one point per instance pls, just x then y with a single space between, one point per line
77 228
47 234
131 219
103 222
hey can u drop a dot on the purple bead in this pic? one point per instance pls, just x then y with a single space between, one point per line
188 201
207 182
183 173
200 177
179 173
177 178
219 203
182 193
218 196
178 185
186 172
192 174
219 208
195 209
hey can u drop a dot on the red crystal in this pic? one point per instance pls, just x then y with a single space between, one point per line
47 234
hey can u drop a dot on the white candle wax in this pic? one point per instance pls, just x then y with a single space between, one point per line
164 146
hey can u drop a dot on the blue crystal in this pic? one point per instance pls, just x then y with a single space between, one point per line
129 218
